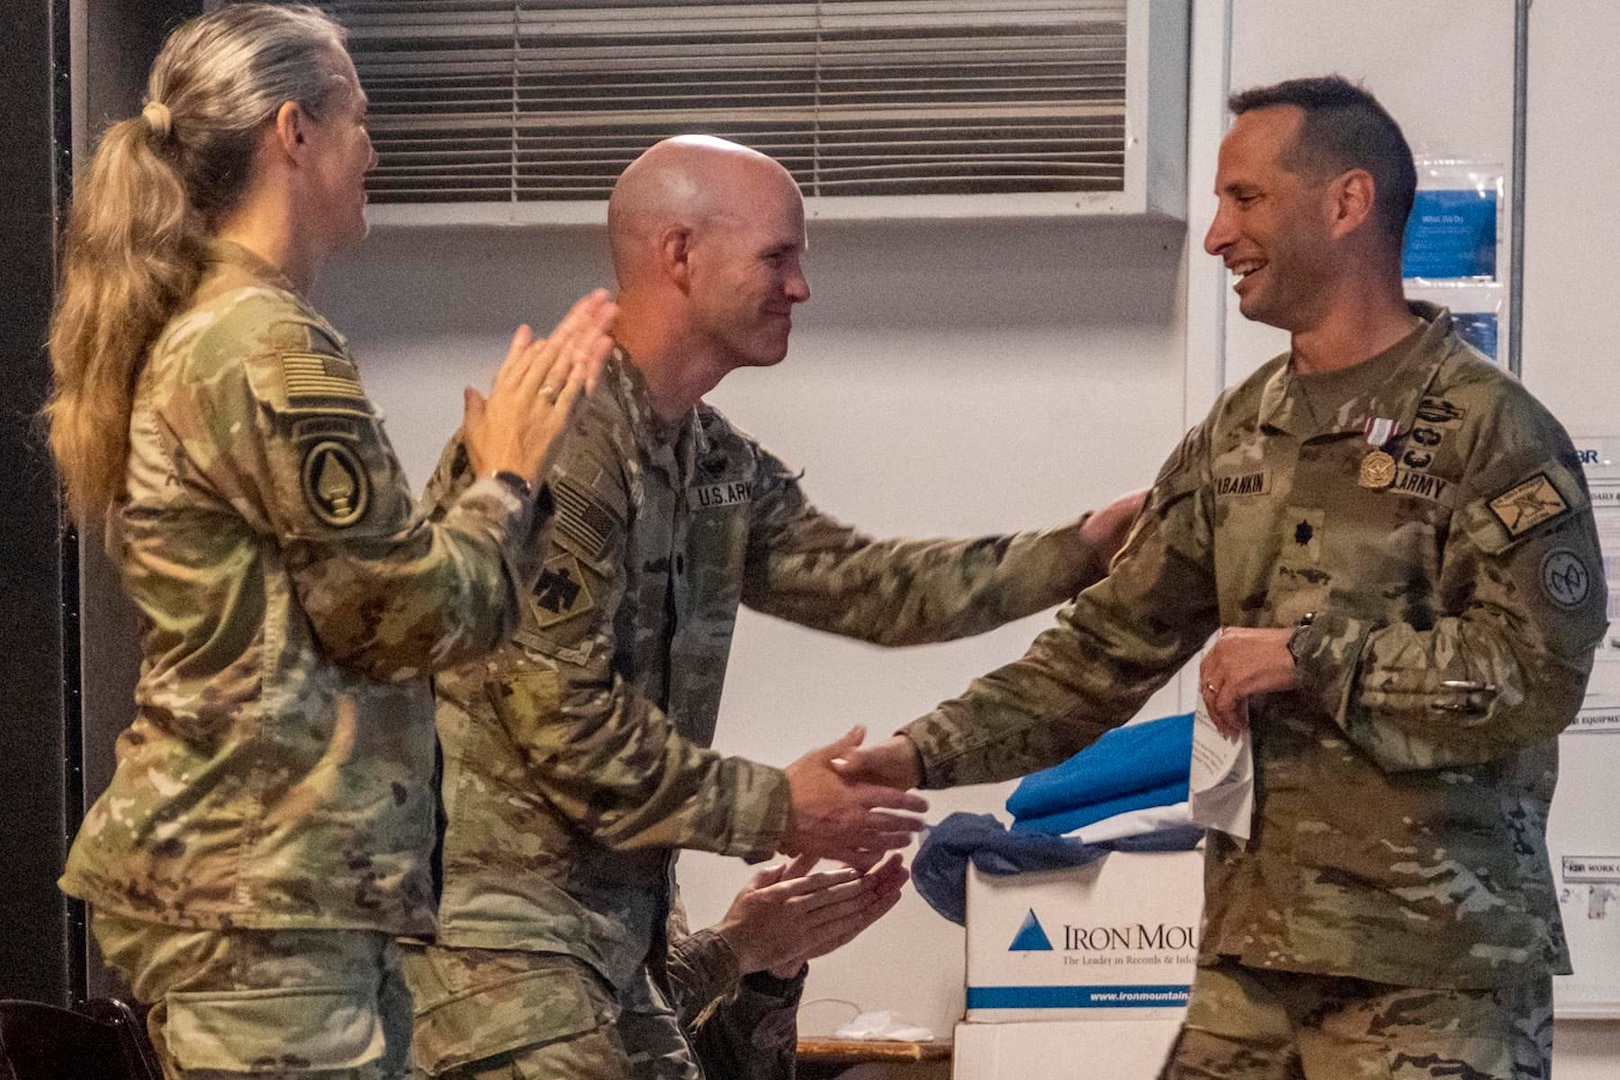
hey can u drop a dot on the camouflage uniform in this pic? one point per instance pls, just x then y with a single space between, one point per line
576 762
742 1027
1402 790
277 776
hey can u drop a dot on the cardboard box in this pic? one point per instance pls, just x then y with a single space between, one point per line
1115 940
1063 1050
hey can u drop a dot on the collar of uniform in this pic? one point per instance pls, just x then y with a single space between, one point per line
675 455
1282 406
229 255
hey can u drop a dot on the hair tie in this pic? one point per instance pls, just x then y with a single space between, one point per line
158 119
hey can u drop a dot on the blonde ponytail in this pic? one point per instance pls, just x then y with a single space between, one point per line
137 236
134 252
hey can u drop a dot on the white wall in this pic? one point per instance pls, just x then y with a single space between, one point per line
961 378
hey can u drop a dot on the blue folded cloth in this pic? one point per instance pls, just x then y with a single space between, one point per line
1064 821
940 868
1150 756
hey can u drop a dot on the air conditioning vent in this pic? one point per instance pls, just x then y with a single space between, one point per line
505 109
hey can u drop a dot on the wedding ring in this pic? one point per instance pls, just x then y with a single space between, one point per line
550 393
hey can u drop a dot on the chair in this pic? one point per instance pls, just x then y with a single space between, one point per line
101 1040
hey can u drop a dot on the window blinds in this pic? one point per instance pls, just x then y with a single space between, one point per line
527 101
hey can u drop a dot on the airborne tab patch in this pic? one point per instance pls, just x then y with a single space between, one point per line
561 592
1527 505
317 381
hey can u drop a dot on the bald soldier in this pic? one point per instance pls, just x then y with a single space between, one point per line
577 761
1395 541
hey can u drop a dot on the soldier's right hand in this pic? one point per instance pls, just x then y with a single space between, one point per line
843 818
521 426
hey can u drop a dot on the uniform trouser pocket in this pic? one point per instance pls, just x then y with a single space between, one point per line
476 1005
326 1004
311 1029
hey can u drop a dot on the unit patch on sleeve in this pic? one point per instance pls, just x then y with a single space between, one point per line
316 381
335 483
561 593
1565 579
1523 507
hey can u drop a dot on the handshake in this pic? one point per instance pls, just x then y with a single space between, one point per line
845 797
845 800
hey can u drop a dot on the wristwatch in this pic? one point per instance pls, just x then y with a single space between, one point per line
1296 642
513 483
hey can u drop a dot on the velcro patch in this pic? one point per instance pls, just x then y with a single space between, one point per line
1302 535
561 593
1440 412
583 518
1254 483
1423 485
716 496
1524 506
1565 579
314 381
346 428
335 484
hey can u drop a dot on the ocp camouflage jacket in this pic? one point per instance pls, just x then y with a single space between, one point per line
278 772
577 760
1402 790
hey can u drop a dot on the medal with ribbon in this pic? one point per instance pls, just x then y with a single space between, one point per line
1378 468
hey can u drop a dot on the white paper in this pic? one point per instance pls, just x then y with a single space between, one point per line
1220 785
885 1025
1150 819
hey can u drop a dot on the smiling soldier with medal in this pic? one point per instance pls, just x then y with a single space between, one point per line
1394 540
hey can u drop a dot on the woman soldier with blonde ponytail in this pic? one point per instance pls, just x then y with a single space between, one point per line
269 826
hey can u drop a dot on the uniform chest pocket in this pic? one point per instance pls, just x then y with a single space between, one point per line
716 535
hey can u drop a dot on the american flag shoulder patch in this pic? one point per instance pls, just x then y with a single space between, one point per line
319 381
583 518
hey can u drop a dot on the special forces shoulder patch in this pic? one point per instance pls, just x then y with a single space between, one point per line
1565 580
1524 506
335 483
561 593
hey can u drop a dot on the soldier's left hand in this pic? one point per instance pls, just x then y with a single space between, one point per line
1243 662
788 915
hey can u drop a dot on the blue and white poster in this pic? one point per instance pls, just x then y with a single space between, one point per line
1456 213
